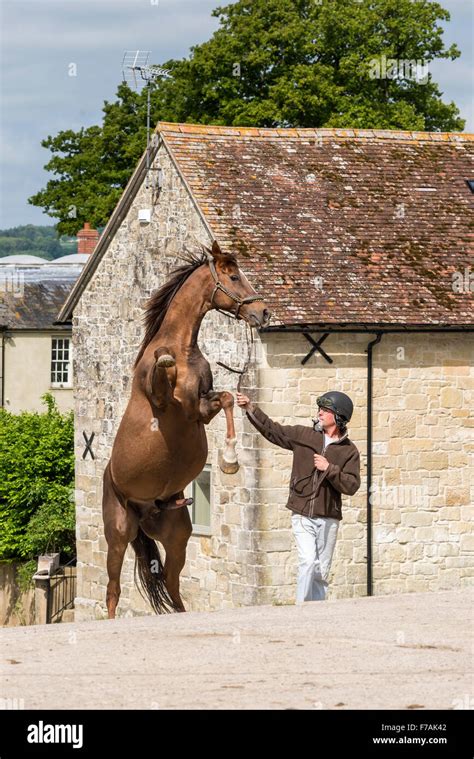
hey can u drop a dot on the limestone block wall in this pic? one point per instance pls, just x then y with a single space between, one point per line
423 508
422 490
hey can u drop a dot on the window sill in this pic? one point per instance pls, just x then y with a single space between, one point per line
200 530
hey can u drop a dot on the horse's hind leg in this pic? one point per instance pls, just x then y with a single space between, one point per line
120 527
175 529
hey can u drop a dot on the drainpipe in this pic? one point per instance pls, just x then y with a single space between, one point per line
369 461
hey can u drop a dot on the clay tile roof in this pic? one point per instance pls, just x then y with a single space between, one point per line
339 226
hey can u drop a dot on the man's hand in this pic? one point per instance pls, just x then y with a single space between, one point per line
243 401
320 462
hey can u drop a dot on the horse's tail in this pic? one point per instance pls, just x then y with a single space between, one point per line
149 574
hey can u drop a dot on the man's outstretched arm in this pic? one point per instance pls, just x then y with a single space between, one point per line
278 434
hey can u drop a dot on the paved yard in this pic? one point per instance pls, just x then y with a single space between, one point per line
387 652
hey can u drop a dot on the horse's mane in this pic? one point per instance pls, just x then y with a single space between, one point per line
157 306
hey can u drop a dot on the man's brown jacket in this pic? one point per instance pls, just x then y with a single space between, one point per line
313 493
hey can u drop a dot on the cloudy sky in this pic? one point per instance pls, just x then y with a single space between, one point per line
41 38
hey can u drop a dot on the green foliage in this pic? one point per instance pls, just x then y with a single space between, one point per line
307 64
271 63
34 241
36 482
52 527
24 575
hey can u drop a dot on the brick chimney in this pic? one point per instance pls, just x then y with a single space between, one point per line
87 239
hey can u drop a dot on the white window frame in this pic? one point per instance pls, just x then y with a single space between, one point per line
190 492
54 384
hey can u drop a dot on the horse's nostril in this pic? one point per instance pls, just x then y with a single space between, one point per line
266 314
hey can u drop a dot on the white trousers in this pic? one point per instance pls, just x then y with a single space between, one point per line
315 540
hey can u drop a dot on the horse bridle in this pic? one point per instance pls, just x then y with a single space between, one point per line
219 286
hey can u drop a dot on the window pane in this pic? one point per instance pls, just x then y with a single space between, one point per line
202 499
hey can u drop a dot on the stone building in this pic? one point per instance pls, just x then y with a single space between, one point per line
360 242
36 351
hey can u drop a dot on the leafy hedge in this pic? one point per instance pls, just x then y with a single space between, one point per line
36 483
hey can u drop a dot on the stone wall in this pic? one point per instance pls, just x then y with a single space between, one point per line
422 393
17 607
422 461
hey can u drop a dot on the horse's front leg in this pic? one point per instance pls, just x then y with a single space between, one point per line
161 378
210 405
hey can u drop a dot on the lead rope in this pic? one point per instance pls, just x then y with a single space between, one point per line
241 372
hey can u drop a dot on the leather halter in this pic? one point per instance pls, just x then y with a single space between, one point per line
219 286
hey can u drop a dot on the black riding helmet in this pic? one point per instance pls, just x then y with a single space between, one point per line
338 402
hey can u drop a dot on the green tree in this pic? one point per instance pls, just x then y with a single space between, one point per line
34 240
93 165
271 63
36 482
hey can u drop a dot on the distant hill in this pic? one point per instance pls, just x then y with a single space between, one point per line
33 240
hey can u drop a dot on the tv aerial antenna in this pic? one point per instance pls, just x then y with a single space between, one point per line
137 72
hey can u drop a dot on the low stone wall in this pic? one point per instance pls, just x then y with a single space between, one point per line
16 607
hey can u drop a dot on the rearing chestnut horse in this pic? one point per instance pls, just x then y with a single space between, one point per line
161 444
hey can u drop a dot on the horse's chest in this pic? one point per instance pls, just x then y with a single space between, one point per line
196 378
204 377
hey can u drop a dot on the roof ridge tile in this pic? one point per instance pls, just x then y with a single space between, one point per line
210 130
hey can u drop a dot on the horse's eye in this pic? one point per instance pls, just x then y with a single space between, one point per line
234 277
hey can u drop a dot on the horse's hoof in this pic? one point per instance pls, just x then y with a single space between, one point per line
228 467
165 360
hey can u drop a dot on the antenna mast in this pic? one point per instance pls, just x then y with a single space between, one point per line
135 71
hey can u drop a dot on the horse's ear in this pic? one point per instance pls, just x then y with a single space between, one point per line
216 252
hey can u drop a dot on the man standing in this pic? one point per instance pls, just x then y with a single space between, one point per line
325 464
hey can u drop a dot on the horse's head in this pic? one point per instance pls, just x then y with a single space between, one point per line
232 292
